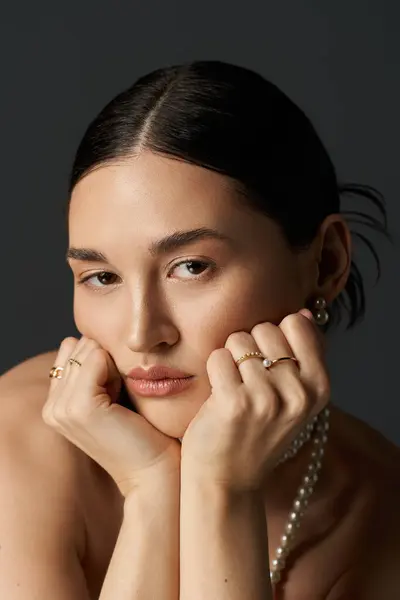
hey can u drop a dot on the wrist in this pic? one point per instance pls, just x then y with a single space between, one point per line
159 479
155 495
197 478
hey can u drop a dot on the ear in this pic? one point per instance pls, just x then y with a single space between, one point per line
332 252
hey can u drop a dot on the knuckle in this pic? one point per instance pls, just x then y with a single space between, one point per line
291 321
267 405
92 343
300 403
58 414
215 355
238 337
49 417
323 388
262 328
68 343
46 414
95 353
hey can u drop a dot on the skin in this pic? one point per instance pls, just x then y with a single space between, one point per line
151 311
155 313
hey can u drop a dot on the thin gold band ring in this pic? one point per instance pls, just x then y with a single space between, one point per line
268 363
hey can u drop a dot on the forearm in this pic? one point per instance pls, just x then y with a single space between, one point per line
223 544
145 562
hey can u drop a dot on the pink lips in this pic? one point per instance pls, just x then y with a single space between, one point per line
157 372
159 387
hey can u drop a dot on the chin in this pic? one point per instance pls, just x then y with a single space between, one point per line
171 417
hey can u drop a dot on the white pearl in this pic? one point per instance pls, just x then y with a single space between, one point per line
304 492
289 527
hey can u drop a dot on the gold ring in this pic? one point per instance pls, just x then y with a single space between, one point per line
56 372
73 361
247 356
268 363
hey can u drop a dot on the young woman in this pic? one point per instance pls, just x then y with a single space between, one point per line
187 445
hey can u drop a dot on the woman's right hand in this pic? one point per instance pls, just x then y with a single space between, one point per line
82 407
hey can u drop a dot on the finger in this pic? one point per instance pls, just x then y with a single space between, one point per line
79 353
96 382
108 378
240 343
320 335
273 344
223 373
65 350
304 338
283 377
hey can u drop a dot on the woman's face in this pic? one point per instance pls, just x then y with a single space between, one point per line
146 309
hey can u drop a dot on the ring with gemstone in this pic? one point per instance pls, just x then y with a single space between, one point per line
267 362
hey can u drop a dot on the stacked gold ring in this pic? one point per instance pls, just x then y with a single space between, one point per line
57 371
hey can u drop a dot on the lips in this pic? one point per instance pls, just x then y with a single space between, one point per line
159 387
156 373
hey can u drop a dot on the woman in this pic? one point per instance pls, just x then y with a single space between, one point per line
205 236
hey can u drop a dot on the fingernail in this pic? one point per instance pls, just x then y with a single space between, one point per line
307 313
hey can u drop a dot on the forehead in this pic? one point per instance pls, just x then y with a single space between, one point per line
150 190
125 207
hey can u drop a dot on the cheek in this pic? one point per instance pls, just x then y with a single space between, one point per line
238 307
92 323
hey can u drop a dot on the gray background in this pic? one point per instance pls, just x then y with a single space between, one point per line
61 62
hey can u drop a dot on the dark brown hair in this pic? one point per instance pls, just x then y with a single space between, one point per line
232 120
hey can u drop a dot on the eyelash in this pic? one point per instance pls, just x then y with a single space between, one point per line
84 280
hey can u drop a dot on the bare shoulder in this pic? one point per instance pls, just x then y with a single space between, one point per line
37 448
42 524
69 497
371 539
33 370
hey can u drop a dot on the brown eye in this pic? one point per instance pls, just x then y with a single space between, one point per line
103 278
197 268
106 278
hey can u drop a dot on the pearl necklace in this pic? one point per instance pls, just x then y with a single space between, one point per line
321 424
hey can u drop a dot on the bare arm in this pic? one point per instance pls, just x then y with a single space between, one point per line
42 525
224 544
145 563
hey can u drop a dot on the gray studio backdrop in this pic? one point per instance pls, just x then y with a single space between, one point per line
61 62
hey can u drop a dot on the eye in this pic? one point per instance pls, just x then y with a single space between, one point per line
105 275
195 265
107 279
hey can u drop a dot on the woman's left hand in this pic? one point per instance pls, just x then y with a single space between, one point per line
254 413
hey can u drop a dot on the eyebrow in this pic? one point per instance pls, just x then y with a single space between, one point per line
171 242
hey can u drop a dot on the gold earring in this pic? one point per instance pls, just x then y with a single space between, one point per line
320 312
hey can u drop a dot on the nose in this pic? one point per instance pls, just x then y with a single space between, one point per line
150 324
